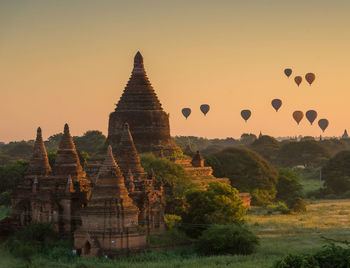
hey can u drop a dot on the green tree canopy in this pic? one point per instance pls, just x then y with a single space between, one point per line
90 142
11 174
306 153
336 173
289 188
266 146
219 204
247 171
174 178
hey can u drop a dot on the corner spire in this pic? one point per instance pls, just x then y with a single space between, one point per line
67 159
39 163
127 156
110 182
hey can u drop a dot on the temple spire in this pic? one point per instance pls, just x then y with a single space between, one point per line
39 163
67 159
127 156
110 182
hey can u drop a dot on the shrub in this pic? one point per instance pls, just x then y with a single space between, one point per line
330 256
5 198
227 239
299 205
219 204
171 221
279 207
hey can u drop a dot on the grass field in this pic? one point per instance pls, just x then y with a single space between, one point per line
280 235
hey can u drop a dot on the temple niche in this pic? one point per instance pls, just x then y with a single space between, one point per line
141 108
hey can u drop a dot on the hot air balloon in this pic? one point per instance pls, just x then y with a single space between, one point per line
310 77
288 72
246 114
298 115
298 80
323 124
276 104
205 108
186 112
311 116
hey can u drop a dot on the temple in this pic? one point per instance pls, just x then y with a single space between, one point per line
141 108
54 196
110 207
110 213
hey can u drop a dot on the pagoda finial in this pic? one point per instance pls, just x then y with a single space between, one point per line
38 132
138 63
66 129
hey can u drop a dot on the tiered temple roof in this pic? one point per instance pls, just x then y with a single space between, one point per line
110 184
39 163
141 108
67 160
127 156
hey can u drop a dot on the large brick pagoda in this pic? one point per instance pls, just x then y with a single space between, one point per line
141 108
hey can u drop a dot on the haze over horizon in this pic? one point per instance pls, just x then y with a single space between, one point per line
69 61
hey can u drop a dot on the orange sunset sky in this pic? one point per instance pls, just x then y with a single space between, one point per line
69 61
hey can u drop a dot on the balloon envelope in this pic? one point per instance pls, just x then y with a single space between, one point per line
288 72
310 77
205 108
298 80
276 104
298 115
311 116
246 114
323 124
186 112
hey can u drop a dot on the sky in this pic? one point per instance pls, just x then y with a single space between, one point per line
69 61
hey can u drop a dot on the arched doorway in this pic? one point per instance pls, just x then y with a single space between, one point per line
87 248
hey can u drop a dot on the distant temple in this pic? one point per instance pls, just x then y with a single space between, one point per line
140 107
345 134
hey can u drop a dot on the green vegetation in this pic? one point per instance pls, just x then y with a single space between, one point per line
247 171
305 153
219 204
336 174
174 178
227 239
330 256
266 146
289 190
293 233
11 174
4 212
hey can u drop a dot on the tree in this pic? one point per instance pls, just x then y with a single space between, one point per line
247 139
174 178
11 174
266 146
336 173
90 142
306 153
289 188
227 239
247 171
219 204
